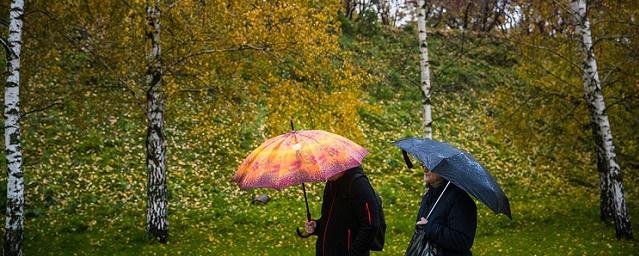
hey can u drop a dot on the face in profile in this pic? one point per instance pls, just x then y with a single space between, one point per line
430 177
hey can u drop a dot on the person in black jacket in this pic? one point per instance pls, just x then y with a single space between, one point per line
350 216
451 225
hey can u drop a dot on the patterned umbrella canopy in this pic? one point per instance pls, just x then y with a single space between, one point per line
297 157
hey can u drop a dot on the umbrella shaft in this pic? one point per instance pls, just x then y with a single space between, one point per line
308 212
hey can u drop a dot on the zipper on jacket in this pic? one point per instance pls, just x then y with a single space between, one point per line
368 211
349 240
328 220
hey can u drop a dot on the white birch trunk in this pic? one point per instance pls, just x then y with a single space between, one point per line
612 195
14 218
383 7
157 206
425 69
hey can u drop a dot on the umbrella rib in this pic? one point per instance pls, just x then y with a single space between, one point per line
274 147
461 168
315 157
342 143
296 157
282 172
266 145
351 153
316 161
277 139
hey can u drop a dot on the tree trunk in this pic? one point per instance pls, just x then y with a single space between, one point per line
466 12
349 7
157 207
425 69
612 194
383 7
497 14
14 218
483 17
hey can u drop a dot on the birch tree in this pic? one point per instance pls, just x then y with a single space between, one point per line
611 184
14 217
349 8
157 207
425 68
383 8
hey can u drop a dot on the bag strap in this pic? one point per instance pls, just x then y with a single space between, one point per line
350 185
435 204
353 179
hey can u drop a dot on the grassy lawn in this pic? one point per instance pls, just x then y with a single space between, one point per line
97 207
566 225
85 181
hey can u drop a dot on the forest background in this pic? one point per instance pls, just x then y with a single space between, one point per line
506 86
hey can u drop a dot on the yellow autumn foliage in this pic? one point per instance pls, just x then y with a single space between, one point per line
234 60
549 112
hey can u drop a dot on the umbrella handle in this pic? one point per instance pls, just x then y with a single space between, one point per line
308 212
302 235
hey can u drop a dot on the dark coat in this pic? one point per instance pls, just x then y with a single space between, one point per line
452 224
350 219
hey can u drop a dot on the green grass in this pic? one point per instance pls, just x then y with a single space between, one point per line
562 225
85 175
209 215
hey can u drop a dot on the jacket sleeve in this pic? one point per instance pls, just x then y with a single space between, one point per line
318 224
366 211
459 234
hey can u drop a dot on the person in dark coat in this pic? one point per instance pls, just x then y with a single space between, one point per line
452 224
350 216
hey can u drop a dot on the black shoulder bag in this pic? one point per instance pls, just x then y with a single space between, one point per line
417 245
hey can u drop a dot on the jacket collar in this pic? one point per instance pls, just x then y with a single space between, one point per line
439 188
347 176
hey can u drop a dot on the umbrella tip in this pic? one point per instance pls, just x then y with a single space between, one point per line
292 127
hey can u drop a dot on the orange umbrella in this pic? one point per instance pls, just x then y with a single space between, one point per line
297 157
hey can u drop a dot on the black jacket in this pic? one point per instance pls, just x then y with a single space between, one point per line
452 224
350 219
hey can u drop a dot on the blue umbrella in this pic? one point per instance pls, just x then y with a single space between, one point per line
458 167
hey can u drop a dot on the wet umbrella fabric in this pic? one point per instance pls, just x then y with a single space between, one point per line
460 168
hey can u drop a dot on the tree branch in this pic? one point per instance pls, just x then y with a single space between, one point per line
4 23
233 49
7 49
100 60
552 51
623 22
171 5
605 38
57 102
570 113
622 100
6 45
